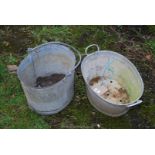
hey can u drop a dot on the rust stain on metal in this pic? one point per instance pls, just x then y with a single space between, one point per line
94 80
110 90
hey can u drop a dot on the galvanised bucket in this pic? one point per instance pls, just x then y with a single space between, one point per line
43 60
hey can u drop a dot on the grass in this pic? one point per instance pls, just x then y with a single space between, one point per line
14 112
151 44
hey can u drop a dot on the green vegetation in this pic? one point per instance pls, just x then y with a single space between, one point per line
130 41
151 44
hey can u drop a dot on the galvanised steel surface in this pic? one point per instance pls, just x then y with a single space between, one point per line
47 59
114 66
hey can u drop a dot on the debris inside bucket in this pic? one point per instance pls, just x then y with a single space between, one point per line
48 80
110 90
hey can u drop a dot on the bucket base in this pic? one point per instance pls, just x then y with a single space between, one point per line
47 112
52 111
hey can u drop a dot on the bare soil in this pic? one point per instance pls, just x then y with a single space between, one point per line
49 80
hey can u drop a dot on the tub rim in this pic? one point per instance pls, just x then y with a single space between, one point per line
133 66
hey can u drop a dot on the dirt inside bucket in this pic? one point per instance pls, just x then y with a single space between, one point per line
48 80
110 90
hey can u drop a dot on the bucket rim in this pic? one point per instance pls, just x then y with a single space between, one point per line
63 44
32 50
133 66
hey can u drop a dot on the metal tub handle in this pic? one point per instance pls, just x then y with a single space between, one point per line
134 104
86 49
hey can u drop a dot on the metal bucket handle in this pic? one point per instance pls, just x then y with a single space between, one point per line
134 104
30 50
86 49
